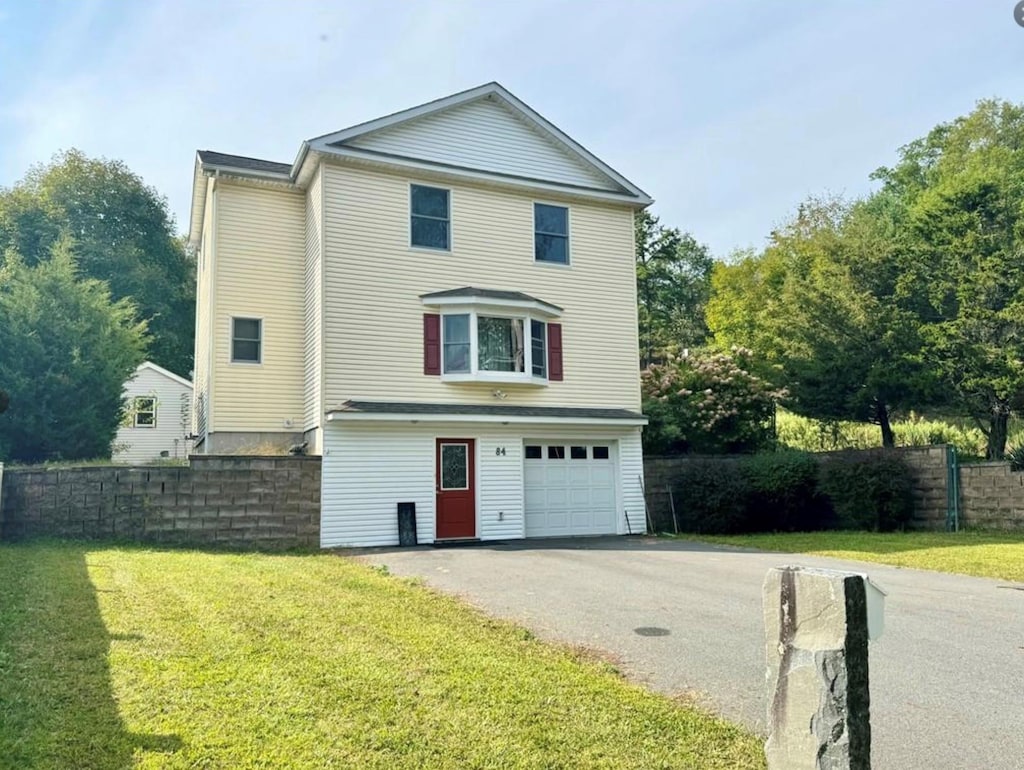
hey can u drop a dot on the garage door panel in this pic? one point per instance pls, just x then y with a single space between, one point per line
569 491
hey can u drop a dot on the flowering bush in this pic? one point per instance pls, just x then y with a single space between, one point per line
708 402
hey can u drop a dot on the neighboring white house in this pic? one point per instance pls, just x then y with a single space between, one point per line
157 417
441 303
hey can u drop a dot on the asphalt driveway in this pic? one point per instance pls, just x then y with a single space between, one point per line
947 678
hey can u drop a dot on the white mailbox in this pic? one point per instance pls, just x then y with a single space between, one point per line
876 607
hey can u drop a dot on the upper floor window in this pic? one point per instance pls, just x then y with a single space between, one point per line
246 340
494 346
551 233
144 409
430 218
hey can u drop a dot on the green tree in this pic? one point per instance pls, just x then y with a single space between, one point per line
673 278
819 303
963 274
66 350
123 235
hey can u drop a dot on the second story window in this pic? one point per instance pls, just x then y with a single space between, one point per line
430 220
551 233
246 340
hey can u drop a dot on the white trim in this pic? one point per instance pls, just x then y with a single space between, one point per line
323 143
166 373
136 411
458 172
451 239
469 304
345 416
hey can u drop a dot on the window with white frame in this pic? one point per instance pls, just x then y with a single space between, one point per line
489 345
246 340
551 233
430 217
144 411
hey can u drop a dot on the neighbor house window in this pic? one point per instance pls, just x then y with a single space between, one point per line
246 340
551 233
430 218
144 408
456 344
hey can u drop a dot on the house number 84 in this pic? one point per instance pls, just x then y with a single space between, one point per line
499 451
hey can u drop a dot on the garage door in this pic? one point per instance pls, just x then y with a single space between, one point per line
569 488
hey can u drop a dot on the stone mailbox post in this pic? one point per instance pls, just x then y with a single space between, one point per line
817 630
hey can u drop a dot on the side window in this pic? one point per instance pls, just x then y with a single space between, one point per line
456 343
144 408
430 218
538 348
246 340
551 233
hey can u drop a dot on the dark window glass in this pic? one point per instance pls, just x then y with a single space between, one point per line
600 453
538 348
551 233
456 343
499 344
430 217
556 452
454 466
246 336
578 453
533 453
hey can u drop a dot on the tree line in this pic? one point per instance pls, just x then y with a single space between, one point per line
911 298
93 280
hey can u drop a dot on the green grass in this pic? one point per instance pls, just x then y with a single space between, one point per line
121 658
966 553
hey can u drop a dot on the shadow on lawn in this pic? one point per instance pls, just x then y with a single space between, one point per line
57 706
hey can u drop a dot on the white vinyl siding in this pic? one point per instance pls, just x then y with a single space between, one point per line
373 283
259 273
487 136
369 468
312 297
173 419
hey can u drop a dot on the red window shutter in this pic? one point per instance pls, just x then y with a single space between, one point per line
555 352
431 343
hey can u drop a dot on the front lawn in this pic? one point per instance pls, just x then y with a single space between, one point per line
116 658
967 553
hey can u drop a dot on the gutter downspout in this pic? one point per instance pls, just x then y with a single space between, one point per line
212 320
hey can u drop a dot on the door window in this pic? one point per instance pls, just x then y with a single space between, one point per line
454 466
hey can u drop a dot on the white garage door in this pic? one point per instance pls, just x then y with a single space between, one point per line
569 488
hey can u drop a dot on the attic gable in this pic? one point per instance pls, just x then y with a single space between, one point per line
482 131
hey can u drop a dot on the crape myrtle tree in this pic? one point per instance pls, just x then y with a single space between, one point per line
66 350
123 235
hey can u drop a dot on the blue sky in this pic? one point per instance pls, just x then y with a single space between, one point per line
728 113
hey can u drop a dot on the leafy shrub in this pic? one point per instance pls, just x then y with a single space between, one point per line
870 492
782 494
711 497
709 402
1016 458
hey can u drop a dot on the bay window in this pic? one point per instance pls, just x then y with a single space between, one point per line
482 346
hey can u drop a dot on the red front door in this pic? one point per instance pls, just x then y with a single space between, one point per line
456 492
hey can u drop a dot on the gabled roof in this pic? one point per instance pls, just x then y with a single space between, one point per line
363 143
165 372
500 295
212 159
340 142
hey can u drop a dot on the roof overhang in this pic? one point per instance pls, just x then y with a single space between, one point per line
381 411
486 299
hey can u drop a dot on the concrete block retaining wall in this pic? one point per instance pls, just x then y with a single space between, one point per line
264 502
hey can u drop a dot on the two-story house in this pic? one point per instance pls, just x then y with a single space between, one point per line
441 303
